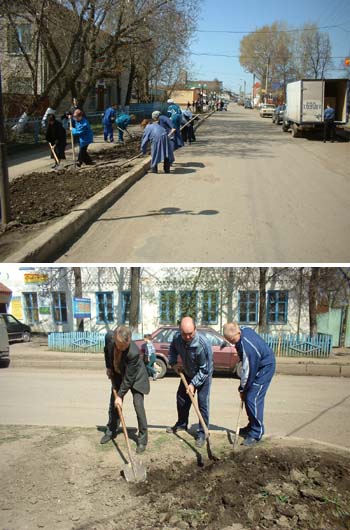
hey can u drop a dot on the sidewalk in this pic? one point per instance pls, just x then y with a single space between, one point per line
36 354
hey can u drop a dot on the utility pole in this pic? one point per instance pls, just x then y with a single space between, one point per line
4 176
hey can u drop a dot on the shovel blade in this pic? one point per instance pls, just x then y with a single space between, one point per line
134 473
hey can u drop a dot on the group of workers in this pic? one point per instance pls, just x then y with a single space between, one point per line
165 133
127 371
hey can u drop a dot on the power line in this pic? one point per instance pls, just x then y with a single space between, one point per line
263 32
207 54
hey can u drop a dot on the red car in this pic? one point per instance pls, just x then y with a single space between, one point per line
225 357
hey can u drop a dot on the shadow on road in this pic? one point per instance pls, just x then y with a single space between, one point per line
306 424
162 212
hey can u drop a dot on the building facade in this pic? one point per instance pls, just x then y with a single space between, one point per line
45 298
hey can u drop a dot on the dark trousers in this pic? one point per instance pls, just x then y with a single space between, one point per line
329 127
114 420
183 402
255 401
83 155
166 166
108 132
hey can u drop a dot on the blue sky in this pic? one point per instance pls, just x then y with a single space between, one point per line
233 15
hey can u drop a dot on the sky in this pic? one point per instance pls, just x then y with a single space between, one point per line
234 15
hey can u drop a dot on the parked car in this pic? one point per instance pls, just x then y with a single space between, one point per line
267 110
16 330
226 358
277 116
4 344
248 104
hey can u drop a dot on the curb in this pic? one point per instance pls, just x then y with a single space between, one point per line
307 369
56 237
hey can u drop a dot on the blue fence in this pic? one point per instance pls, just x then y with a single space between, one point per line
84 341
290 345
284 345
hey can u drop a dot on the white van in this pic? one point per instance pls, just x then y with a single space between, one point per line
4 343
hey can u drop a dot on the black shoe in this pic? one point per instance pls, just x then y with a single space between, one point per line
107 438
200 441
78 164
154 170
176 428
141 448
244 431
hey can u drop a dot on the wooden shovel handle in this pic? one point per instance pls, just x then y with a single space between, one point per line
53 152
194 403
122 421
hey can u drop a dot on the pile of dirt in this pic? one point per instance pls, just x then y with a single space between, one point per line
63 479
38 198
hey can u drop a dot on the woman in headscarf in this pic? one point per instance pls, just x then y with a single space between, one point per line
161 146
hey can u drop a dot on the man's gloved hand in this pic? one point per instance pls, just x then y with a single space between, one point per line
191 389
118 402
241 395
109 372
177 369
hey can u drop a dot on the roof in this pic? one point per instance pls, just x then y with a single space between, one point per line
4 289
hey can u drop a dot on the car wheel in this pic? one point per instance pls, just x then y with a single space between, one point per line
26 336
295 130
4 363
160 367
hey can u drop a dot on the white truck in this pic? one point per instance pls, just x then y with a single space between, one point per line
307 100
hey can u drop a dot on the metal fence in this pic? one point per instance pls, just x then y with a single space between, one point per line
290 345
84 341
33 131
284 345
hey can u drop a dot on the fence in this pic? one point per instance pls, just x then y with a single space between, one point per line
84 341
34 133
288 345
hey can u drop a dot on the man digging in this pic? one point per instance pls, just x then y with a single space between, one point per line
258 368
197 359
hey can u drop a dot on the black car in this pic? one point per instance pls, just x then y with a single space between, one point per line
16 330
277 116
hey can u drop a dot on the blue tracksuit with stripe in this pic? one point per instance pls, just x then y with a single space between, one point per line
259 363
197 360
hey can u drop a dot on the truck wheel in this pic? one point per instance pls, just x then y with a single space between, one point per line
285 127
160 367
295 130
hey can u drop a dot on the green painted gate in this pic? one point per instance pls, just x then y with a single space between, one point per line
347 332
330 323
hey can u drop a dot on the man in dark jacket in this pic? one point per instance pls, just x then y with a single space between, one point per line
258 368
126 370
329 125
197 360
56 136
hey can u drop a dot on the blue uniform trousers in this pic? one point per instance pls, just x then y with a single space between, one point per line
255 400
108 131
183 402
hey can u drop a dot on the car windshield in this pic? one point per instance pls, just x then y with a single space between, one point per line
269 106
164 335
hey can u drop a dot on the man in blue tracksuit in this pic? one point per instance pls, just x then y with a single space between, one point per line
197 365
258 368
109 118
329 125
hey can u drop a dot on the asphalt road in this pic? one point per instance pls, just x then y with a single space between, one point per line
244 192
307 407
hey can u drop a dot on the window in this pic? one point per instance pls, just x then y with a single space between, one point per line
31 310
167 302
188 304
210 302
277 307
59 307
126 297
248 307
104 306
22 33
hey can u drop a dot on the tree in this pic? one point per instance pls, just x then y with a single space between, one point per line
135 273
78 293
262 299
313 288
314 53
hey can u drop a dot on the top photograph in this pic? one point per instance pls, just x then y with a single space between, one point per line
174 131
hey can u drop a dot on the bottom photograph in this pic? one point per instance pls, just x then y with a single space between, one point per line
174 397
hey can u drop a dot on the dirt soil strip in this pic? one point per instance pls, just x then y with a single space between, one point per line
63 479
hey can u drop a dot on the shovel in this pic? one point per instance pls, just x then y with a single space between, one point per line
133 471
200 417
72 142
235 441
126 130
54 154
